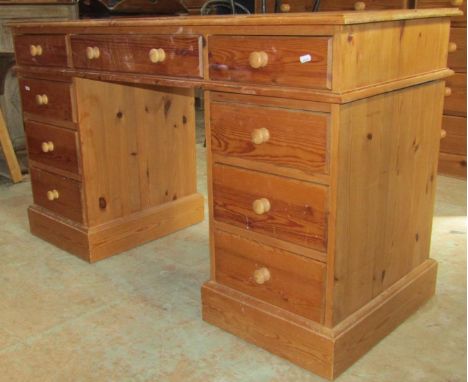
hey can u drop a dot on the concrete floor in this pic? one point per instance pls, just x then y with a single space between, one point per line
136 316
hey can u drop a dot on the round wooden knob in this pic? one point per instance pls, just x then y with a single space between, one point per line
261 276
452 47
260 136
448 91
456 3
359 5
52 195
285 8
258 59
92 52
443 133
261 206
157 55
47 146
35 50
42 99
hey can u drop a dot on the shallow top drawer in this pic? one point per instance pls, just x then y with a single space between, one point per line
44 50
456 21
153 54
284 61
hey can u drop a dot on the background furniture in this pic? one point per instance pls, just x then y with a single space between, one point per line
321 173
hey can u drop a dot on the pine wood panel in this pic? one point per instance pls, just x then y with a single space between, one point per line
455 103
297 144
296 284
138 147
349 5
229 60
54 50
457 59
385 194
456 21
452 164
69 201
455 140
412 48
65 142
124 53
298 211
59 96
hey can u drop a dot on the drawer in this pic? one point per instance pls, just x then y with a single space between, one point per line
52 146
281 278
284 208
282 139
455 139
347 5
456 21
153 54
47 99
457 58
455 103
57 193
43 50
271 60
452 165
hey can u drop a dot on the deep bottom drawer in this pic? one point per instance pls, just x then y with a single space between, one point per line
57 193
281 278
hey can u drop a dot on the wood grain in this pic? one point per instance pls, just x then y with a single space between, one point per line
59 94
124 53
69 202
296 284
456 21
65 153
298 209
298 140
229 60
455 140
453 165
54 50
348 5
455 104
457 59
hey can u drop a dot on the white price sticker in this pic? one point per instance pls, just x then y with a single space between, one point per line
27 88
305 58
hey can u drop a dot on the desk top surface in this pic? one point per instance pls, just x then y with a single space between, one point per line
319 18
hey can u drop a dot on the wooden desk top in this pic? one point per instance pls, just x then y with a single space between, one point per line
294 19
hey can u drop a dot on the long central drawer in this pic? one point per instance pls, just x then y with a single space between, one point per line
153 54
283 208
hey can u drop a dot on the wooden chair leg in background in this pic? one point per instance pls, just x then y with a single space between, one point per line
8 152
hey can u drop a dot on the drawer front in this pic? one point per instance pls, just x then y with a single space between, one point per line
282 138
57 193
457 59
281 278
351 5
57 103
52 146
284 208
43 50
455 140
455 104
163 55
271 60
456 21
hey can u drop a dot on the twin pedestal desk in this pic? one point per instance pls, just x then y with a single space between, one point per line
323 133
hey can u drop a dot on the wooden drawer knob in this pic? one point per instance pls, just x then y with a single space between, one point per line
359 5
260 136
443 133
52 195
456 3
35 50
285 8
261 206
452 47
157 55
92 52
42 99
47 147
261 276
258 59
448 91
